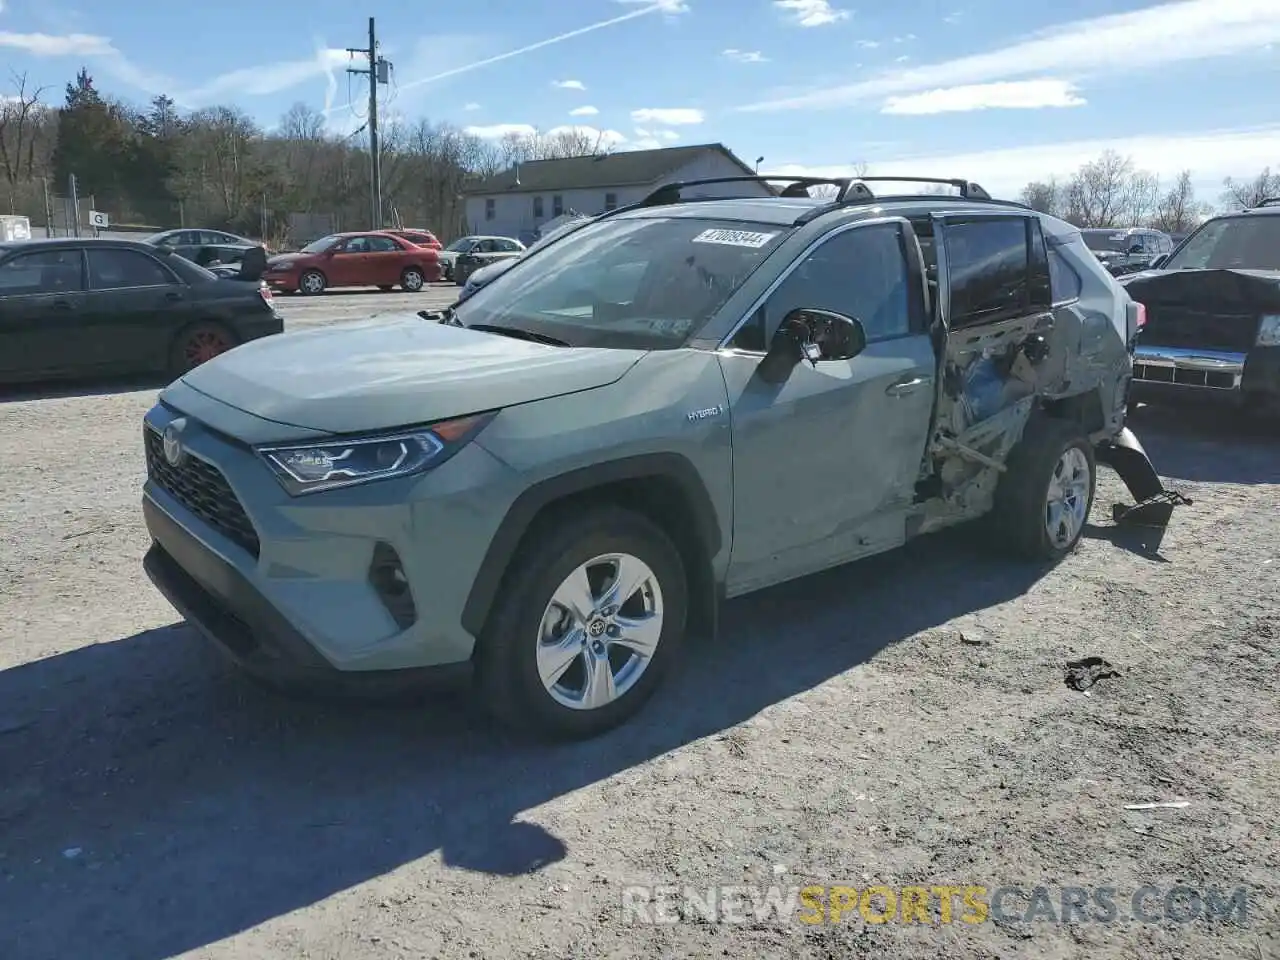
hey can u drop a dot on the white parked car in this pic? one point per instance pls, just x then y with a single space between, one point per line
500 247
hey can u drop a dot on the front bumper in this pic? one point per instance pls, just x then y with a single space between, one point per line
1214 376
290 587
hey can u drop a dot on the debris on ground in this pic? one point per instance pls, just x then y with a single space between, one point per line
1163 805
1083 674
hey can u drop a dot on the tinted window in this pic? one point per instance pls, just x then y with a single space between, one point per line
1063 276
357 245
508 246
383 245
1040 282
861 273
610 201
48 271
114 269
537 207
989 268
557 205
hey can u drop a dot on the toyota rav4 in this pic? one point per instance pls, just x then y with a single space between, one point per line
553 483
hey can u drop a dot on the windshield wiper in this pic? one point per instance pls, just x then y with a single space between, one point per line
518 334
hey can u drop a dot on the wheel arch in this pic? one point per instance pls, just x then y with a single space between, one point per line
664 487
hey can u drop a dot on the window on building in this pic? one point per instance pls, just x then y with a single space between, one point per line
537 208
489 208
610 202
557 205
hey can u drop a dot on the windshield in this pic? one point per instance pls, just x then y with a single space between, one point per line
646 284
321 245
462 243
1105 241
1249 242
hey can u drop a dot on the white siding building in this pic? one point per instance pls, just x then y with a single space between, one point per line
520 201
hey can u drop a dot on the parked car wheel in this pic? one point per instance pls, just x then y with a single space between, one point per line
1044 497
198 344
413 279
312 282
586 623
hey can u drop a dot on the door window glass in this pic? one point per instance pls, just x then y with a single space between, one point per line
47 271
1064 279
383 245
117 269
989 266
357 245
861 273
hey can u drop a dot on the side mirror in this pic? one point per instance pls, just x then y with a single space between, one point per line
812 335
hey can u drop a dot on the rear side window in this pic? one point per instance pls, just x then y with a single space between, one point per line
48 271
990 265
117 269
1041 289
1066 282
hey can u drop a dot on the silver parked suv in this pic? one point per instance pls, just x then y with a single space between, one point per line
555 481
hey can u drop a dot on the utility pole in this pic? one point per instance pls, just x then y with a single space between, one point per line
378 72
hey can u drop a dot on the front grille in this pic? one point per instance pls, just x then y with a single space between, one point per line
1185 378
201 488
1175 326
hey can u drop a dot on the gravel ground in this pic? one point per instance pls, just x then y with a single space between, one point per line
902 721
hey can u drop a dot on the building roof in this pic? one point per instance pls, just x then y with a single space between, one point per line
627 168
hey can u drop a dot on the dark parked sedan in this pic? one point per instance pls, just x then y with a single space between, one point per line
84 307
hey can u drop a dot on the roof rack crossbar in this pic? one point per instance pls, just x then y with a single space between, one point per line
1269 202
670 192
968 189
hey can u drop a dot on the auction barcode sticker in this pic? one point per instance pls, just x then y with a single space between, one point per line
735 238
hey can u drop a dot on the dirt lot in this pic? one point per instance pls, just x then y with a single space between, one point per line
900 721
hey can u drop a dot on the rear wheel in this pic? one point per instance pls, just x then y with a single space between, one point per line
585 625
412 280
312 282
1044 497
198 344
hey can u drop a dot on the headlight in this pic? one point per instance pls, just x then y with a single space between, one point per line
1269 331
347 461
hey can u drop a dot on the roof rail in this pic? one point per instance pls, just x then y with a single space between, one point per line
1269 202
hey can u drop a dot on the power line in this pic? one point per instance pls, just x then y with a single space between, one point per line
378 72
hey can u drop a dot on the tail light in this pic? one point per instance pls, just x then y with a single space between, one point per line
1140 316
264 291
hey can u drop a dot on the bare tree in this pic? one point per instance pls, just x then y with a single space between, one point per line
1240 194
1140 200
20 129
1178 210
1044 196
1095 196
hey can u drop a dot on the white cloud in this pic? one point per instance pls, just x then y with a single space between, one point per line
497 131
664 6
868 44
67 45
902 59
587 111
471 106
598 138
569 84
1020 95
275 78
1210 155
745 56
1157 36
674 116
811 13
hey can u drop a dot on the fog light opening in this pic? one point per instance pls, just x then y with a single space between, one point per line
388 579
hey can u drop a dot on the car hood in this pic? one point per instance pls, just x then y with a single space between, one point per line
285 259
387 373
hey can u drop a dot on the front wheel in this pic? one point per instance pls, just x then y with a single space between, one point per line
198 344
312 282
1044 497
586 623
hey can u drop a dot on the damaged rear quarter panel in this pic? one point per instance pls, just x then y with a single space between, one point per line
1071 360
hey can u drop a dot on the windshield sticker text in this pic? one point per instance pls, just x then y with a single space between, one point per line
735 238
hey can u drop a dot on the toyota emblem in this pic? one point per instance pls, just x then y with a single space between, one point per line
172 442
596 628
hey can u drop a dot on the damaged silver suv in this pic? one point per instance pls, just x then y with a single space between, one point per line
553 482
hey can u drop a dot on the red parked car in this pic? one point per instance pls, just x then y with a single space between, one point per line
372 259
423 238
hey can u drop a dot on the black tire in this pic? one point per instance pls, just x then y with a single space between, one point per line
506 659
318 281
447 273
1020 515
197 344
412 280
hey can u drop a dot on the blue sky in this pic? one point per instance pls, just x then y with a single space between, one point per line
994 90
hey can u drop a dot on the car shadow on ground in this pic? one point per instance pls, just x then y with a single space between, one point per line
1208 445
154 802
358 291
86 387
